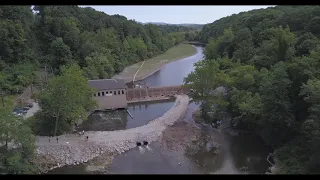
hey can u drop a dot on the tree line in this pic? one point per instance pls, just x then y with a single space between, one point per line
100 44
268 61
75 44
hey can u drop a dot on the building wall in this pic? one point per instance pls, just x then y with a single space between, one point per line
111 99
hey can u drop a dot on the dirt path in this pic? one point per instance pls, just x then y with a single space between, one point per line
153 65
134 77
35 108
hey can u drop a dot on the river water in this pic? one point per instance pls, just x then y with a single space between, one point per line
245 151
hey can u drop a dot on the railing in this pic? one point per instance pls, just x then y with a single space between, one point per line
155 92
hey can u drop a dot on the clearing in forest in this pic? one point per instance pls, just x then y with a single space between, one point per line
154 64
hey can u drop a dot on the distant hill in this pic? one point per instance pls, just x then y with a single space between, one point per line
197 26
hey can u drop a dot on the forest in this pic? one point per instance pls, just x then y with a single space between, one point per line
74 44
100 44
268 60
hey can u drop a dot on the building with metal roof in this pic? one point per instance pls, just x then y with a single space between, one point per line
110 93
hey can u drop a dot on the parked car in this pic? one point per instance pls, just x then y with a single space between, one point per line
24 111
26 108
30 105
17 112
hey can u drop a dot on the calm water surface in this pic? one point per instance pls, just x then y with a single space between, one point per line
237 152
141 113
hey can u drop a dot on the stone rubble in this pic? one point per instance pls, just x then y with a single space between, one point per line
78 150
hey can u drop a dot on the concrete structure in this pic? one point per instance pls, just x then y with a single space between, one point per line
113 93
74 149
110 94
154 93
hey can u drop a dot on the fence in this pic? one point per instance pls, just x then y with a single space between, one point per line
154 92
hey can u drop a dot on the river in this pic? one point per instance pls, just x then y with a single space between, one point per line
245 151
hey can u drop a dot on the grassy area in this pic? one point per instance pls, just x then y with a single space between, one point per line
154 64
8 99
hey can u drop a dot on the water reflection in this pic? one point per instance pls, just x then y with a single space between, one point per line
157 161
75 169
234 153
250 152
206 153
172 74
118 120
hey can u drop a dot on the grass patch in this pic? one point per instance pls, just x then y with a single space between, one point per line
8 99
153 64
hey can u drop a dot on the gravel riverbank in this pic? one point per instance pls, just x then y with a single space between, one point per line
71 149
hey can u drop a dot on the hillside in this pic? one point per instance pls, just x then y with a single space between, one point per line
95 44
59 35
192 26
269 62
298 18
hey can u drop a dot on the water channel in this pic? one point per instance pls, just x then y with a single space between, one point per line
237 151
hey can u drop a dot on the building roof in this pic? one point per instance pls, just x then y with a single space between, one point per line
107 84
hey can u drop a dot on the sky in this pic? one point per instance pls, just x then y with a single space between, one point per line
175 14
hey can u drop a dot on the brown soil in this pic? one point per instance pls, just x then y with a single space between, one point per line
179 136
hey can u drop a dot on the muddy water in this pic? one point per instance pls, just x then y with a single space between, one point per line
245 154
237 154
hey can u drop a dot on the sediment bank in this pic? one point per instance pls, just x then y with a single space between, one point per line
153 65
71 149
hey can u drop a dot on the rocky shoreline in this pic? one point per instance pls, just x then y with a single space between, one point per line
72 149
273 169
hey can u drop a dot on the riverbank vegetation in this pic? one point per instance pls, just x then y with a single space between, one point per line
153 64
17 142
57 48
102 45
268 61
56 36
65 101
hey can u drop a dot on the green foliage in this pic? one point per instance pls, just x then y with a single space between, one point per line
17 142
67 98
221 46
60 53
76 44
271 77
14 78
62 35
58 37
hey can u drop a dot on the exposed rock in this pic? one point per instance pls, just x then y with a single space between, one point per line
243 168
106 141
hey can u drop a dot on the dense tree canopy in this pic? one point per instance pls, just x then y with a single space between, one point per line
62 35
16 143
65 101
75 44
268 61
